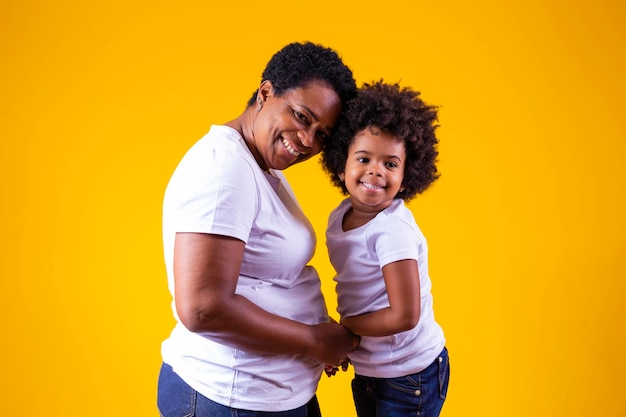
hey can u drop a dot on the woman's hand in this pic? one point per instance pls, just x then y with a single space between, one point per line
331 370
332 343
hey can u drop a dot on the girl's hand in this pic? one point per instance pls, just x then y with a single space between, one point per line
331 370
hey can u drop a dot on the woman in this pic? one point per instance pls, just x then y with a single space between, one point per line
252 328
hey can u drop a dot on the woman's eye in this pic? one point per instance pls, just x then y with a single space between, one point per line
323 136
301 117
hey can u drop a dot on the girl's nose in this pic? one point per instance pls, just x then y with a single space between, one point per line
374 169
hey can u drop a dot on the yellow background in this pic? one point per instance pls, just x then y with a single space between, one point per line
99 100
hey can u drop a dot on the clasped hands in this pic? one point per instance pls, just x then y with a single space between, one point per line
331 369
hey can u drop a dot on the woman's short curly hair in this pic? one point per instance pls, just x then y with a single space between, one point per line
299 63
395 110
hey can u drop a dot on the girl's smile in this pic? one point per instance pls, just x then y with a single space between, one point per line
374 170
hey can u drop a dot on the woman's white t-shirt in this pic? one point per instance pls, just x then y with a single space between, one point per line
218 188
358 256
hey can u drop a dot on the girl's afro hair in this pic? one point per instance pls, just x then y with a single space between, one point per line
398 111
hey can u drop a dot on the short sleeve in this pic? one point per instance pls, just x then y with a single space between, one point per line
393 239
212 191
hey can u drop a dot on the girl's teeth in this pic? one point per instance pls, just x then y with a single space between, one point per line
370 186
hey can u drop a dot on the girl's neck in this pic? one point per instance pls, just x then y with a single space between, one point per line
355 218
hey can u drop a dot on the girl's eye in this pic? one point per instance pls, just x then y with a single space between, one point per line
362 160
392 165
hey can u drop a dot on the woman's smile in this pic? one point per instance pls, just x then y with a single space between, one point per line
290 128
291 149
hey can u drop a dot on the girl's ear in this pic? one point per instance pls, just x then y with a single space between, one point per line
342 176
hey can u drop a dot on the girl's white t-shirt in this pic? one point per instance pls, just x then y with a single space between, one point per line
358 256
219 188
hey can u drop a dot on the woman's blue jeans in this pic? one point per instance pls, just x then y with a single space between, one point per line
420 394
177 399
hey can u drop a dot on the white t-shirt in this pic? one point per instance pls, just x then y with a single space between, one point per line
358 256
219 188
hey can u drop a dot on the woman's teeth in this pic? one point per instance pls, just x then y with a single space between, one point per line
290 148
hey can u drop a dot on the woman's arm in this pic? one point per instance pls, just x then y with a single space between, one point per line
403 290
206 270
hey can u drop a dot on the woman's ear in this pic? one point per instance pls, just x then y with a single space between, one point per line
266 89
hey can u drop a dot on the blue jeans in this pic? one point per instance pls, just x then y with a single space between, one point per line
420 394
177 399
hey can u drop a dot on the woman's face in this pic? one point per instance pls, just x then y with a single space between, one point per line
291 128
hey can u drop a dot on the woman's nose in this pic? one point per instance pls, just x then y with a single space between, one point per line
306 138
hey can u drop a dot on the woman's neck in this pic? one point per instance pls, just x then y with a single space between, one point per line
243 125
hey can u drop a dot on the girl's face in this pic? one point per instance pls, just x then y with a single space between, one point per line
291 128
374 169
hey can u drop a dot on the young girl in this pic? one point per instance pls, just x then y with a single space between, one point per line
382 155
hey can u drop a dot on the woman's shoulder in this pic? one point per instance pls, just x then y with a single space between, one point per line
221 145
218 159
221 137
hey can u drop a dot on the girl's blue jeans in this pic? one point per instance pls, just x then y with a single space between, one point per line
177 399
420 394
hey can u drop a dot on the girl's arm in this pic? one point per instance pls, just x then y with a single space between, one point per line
403 290
206 270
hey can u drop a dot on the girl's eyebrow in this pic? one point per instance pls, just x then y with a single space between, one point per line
386 156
